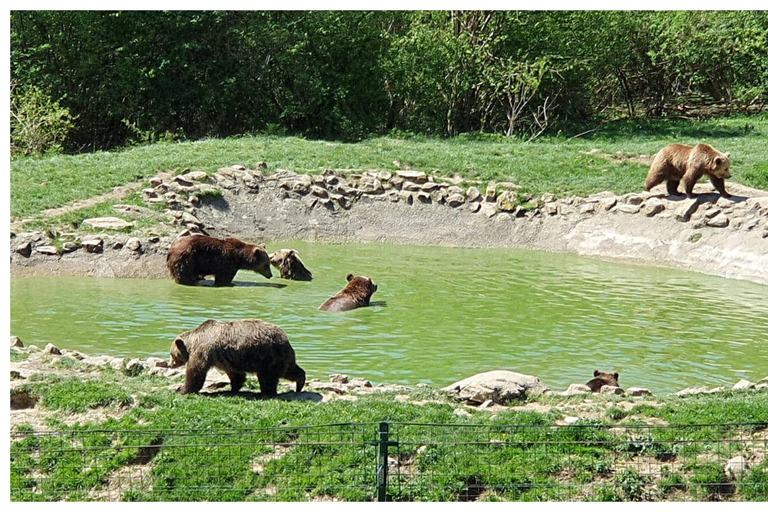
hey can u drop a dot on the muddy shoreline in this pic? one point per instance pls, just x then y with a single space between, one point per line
713 235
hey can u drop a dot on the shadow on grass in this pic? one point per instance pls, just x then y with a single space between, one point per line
291 396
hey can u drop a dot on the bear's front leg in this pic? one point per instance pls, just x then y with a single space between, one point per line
195 378
719 184
225 277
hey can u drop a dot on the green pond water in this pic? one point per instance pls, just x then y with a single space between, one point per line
440 315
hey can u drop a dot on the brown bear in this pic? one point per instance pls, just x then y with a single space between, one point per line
290 266
192 258
356 294
603 379
678 162
237 348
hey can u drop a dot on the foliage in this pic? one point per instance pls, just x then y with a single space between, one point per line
147 76
39 125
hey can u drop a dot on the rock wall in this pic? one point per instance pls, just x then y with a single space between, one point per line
726 237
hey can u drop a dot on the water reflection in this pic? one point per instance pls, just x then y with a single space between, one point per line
439 315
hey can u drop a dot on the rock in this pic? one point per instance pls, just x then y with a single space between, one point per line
358 382
577 389
429 186
462 413
198 176
736 467
720 221
454 200
497 385
113 223
318 191
489 209
490 192
611 390
506 201
423 197
52 349
416 176
633 199
49 250
570 420
586 208
25 249
742 385
133 244
135 367
628 208
369 185
608 203
338 378
653 206
548 198
474 194
156 362
685 210
551 208
93 245
698 390
16 342
69 247
638 392
182 181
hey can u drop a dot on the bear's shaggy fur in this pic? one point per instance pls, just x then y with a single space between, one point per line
603 379
290 266
678 162
237 348
192 258
356 294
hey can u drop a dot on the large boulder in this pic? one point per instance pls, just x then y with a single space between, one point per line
500 386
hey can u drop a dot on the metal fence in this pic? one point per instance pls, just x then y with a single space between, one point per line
396 461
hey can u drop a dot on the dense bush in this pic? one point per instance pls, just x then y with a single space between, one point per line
144 75
39 125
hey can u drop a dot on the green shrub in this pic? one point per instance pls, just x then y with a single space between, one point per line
39 125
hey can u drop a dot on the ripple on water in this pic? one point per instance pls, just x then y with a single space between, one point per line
444 314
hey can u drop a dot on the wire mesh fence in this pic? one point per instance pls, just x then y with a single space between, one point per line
396 461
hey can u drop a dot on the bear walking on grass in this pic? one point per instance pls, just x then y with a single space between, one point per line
290 266
678 162
237 348
192 258
356 294
603 379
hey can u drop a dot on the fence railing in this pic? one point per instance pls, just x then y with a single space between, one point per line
395 461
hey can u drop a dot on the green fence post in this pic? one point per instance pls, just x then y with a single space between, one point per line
383 462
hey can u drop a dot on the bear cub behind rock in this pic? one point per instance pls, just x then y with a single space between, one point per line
678 162
191 258
237 348
356 294
603 379
289 264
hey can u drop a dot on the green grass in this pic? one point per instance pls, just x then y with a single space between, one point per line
212 446
558 164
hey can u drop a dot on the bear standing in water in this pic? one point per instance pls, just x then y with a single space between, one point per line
237 348
356 294
678 162
192 258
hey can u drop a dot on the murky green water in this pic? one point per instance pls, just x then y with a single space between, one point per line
441 314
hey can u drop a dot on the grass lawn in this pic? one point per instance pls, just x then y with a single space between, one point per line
558 164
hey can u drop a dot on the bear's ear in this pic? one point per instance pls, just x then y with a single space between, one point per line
718 160
728 155
616 375
350 277
597 372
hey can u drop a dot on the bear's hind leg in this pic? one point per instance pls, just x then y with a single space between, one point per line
672 186
225 277
297 375
236 380
268 384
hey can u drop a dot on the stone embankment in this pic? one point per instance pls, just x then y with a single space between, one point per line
726 237
484 390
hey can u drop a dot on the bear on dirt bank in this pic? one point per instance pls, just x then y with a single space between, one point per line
603 379
290 266
678 162
237 348
356 294
192 258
